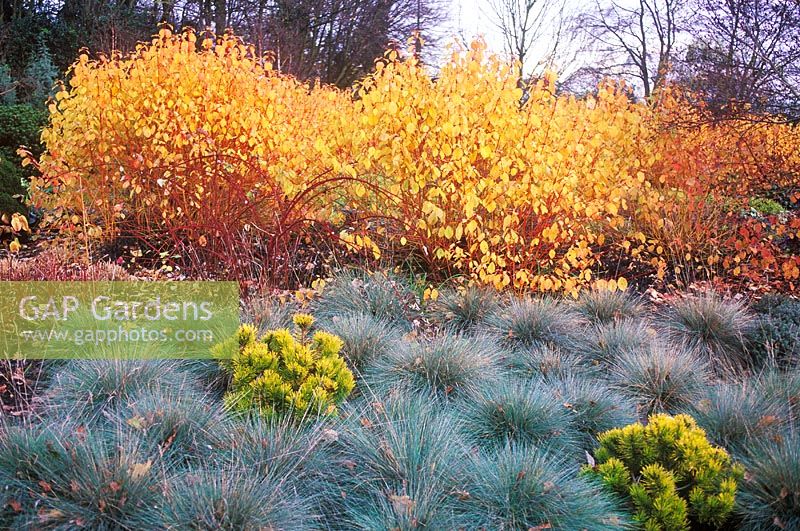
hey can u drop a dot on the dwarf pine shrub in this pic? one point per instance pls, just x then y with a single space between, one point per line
281 373
669 472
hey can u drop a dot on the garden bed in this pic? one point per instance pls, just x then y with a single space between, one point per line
471 411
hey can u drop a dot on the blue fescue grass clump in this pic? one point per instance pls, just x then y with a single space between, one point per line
89 390
278 447
182 423
769 496
444 366
381 295
604 306
593 407
535 323
546 362
464 310
515 412
398 464
608 341
737 414
64 478
365 338
521 487
782 387
659 379
714 327
232 498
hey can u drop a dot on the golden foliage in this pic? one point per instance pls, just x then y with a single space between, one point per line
196 141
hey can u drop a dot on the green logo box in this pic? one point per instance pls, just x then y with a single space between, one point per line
129 320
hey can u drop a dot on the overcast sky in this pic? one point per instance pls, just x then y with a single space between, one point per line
471 18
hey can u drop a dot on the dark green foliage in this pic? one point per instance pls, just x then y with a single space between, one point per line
365 338
232 499
605 306
444 366
714 327
464 310
736 414
777 334
87 391
380 295
521 487
8 91
10 183
64 477
518 413
533 323
659 379
672 476
19 125
593 407
769 497
8 203
399 465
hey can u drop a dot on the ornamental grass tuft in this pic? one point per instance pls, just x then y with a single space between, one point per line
715 328
444 366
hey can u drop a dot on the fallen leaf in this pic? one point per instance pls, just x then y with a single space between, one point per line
136 422
141 469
